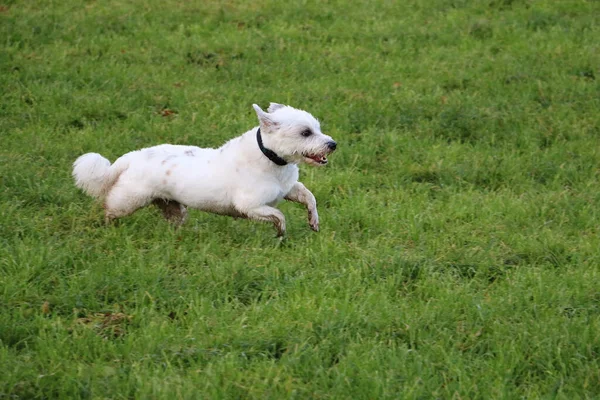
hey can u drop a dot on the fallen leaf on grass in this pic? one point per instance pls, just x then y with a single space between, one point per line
167 113
107 323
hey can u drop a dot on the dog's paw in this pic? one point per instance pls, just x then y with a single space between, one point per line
313 221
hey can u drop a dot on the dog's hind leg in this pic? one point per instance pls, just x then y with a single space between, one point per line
268 214
300 194
172 210
123 200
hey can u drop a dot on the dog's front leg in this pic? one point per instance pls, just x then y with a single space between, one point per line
268 214
300 194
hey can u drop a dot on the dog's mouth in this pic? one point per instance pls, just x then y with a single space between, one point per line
315 159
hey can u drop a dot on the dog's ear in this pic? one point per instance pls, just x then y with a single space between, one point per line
274 107
265 120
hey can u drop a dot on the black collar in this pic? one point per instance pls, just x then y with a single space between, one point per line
270 154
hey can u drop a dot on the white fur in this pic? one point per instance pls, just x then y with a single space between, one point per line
236 179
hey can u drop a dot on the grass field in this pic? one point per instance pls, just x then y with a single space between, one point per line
459 252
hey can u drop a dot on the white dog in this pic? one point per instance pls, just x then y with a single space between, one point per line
246 177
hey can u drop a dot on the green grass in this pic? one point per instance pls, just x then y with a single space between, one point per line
459 249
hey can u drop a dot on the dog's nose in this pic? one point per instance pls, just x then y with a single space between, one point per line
332 145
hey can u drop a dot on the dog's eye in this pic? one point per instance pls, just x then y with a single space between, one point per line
306 133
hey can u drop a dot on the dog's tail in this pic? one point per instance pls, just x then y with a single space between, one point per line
94 175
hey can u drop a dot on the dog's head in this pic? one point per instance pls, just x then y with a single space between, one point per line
294 135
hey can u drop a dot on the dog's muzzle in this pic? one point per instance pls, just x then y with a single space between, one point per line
320 158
